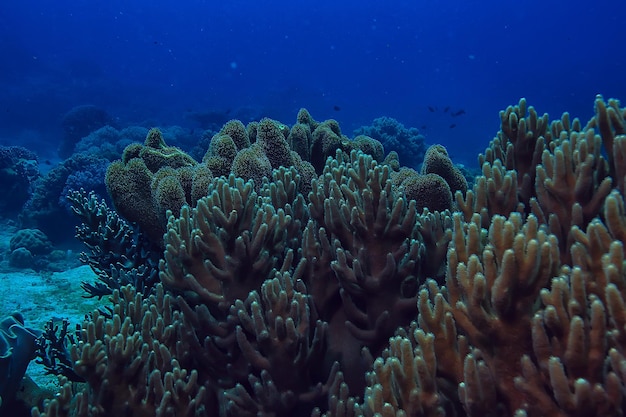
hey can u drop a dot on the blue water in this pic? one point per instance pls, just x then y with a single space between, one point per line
445 68
158 62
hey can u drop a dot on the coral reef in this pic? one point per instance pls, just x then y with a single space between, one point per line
351 302
154 177
46 208
79 122
109 143
394 136
437 161
434 187
19 169
149 180
32 249
118 254
34 240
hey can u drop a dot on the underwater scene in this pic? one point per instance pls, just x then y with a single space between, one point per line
312 209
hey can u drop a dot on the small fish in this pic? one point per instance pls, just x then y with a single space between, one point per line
336 108
453 125
431 109
457 113
446 109
423 127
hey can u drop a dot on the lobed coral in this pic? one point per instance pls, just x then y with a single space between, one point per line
154 177
351 302
434 187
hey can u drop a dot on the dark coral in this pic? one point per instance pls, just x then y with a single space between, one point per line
19 169
118 254
437 161
79 122
271 302
46 208
151 179
394 136
437 183
34 240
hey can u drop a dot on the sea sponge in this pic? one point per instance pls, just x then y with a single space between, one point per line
437 161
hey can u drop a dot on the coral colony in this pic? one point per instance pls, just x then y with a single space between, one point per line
296 272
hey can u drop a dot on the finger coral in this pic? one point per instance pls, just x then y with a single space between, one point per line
353 301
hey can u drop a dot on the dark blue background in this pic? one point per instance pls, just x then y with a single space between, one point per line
157 61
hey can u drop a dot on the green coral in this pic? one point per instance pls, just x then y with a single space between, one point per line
272 142
437 161
155 179
252 163
238 133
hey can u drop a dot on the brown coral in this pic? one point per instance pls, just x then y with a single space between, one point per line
282 306
151 179
437 161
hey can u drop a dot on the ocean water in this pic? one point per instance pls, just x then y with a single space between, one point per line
163 61
444 68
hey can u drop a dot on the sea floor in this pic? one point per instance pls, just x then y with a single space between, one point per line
42 295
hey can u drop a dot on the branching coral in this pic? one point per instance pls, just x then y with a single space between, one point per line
376 241
127 363
116 253
349 302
